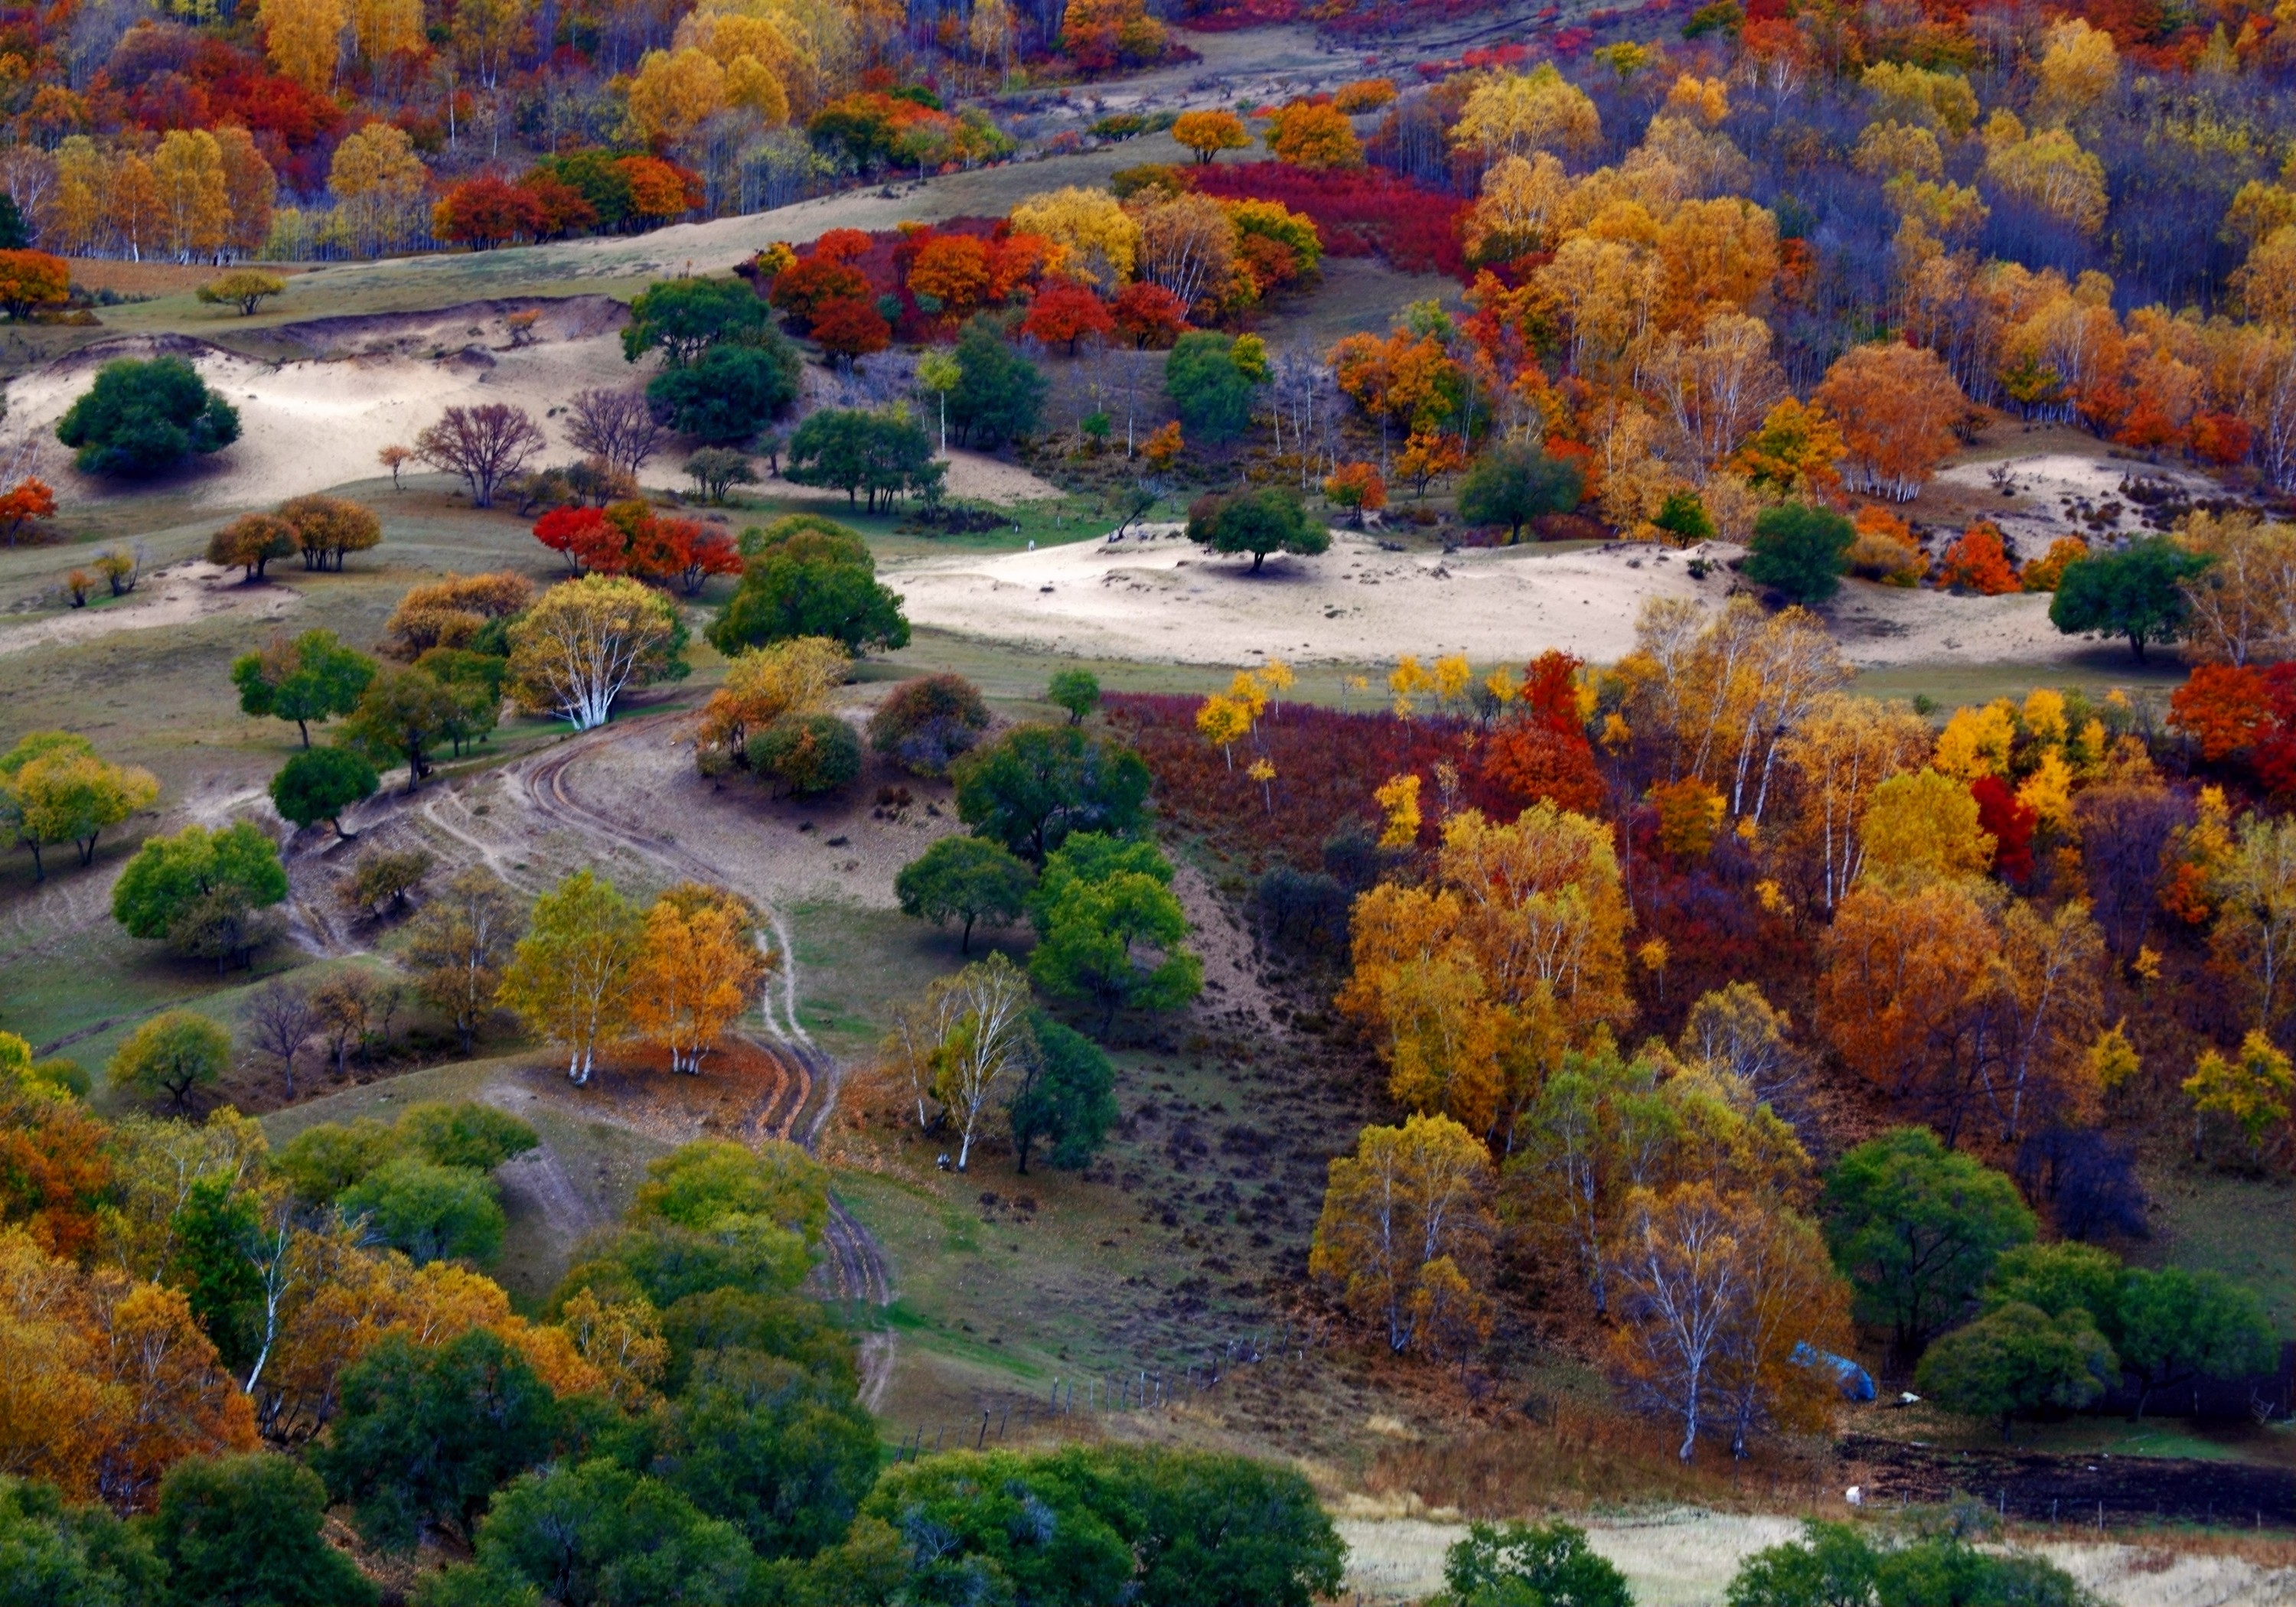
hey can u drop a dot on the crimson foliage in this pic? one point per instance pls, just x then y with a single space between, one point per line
1364 212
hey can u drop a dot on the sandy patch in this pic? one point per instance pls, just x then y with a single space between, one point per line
1674 1559
2037 497
1157 597
306 426
181 595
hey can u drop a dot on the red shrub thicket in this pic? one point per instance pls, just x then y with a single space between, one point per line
1359 212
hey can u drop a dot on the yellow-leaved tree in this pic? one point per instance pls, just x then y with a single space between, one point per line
1405 1229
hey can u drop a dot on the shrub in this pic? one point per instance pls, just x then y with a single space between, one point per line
1799 550
144 418
927 723
1210 391
807 753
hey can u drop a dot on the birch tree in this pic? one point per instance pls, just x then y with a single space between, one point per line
585 642
985 1008
570 975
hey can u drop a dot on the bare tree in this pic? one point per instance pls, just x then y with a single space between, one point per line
280 1021
486 445
616 425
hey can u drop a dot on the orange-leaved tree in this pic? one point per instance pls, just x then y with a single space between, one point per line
698 965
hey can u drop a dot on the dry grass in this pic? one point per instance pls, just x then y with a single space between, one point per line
1585 1458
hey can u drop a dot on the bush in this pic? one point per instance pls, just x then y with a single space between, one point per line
807 753
246 1529
928 723
1800 551
144 418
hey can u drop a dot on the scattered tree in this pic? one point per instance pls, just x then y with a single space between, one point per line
246 289
486 445
965 879
323 785
1800 551
306 678
1272 518
176 1052
143 418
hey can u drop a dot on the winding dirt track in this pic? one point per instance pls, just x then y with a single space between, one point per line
798 1105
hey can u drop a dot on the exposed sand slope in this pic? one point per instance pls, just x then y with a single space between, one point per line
1161 598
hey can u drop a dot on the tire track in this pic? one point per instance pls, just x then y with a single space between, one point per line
855 1266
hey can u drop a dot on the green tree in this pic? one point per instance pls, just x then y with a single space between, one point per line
1832 1565
323 1160
1037 784
52 1554
1799 550
1066 1099
1272 518
878 455
1006 1528
432 1213
717 470
2058 1278
597 1535
685 317
245 1531
308 679
213 1232
807 753
2173 1326
998 392
727 395
757 1441
1213 1530
1513 484
965 879
569 976
402 718
201 891
2017 1359
425 1436
1944 1571
1208 389
1917 1228
2138 592
1684 518
706 1183
322 783
142 418
1519 1565
805 576
1110 930
1078 690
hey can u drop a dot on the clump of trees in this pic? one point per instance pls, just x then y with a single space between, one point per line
56 789
806 576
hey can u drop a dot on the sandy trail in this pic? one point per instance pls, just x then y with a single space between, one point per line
1157 597
1685 1558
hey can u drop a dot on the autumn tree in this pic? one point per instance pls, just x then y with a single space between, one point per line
570 976
403 717
576 651
1408 1211
1317 137
1066 314
1897 407
54 789
1521 114
615 425
459 943
982 1016
1210 132
305 678
175 1052
250 543
328 529
246 289
698 965
1716 1293
485 444
30 280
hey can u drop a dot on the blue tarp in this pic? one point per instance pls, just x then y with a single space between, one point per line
1856 1383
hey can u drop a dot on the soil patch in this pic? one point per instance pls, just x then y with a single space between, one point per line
2100 1490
